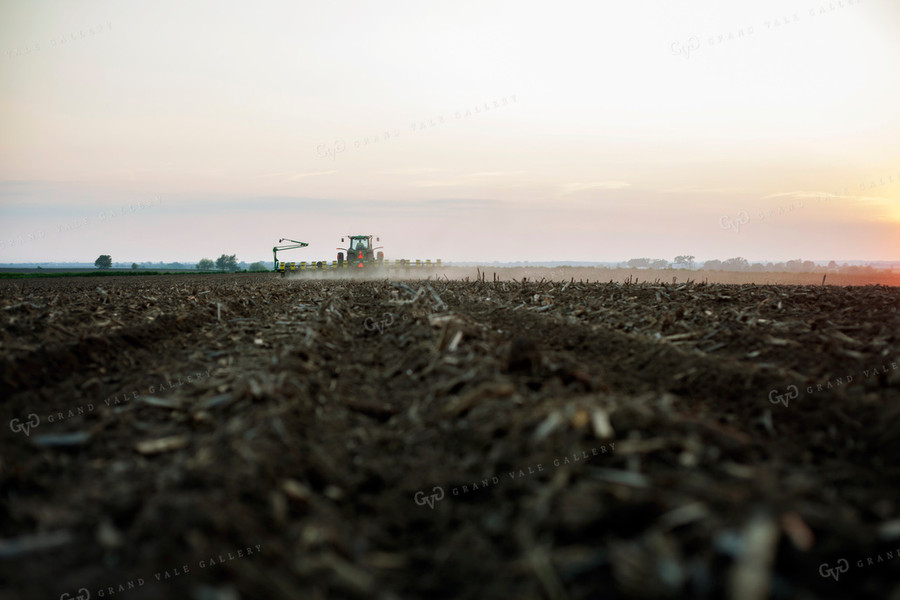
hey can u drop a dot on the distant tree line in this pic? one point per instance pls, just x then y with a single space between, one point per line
739 263
223 263
647 263
228 263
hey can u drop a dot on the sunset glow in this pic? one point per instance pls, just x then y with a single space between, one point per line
482 131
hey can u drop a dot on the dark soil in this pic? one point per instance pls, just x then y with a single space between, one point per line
254 437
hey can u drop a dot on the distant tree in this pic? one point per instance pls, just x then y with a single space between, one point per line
257 266
206 264
713 265
832 266
638 262
135 266
735 264
865 269
227 263
104 261
175 265
685 260
794 266
658 263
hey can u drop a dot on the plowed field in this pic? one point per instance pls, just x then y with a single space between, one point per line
221 437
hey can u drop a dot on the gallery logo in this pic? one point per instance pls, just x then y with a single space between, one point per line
727 222
692 45
790 394
33 421
438 495
835 572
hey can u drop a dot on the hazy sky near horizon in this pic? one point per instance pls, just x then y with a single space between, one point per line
465 131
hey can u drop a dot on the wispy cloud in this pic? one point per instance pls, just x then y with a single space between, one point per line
291 176
492 173
435 183
804 195
313 174
409 171
571 188
467 203
462 179
697 190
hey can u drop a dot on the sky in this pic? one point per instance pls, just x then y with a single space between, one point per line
468 131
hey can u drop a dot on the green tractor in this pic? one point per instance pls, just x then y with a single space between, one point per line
360 253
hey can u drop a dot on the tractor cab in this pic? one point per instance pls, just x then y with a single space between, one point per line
359 244
360 252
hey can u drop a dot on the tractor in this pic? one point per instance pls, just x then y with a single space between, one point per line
360 252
